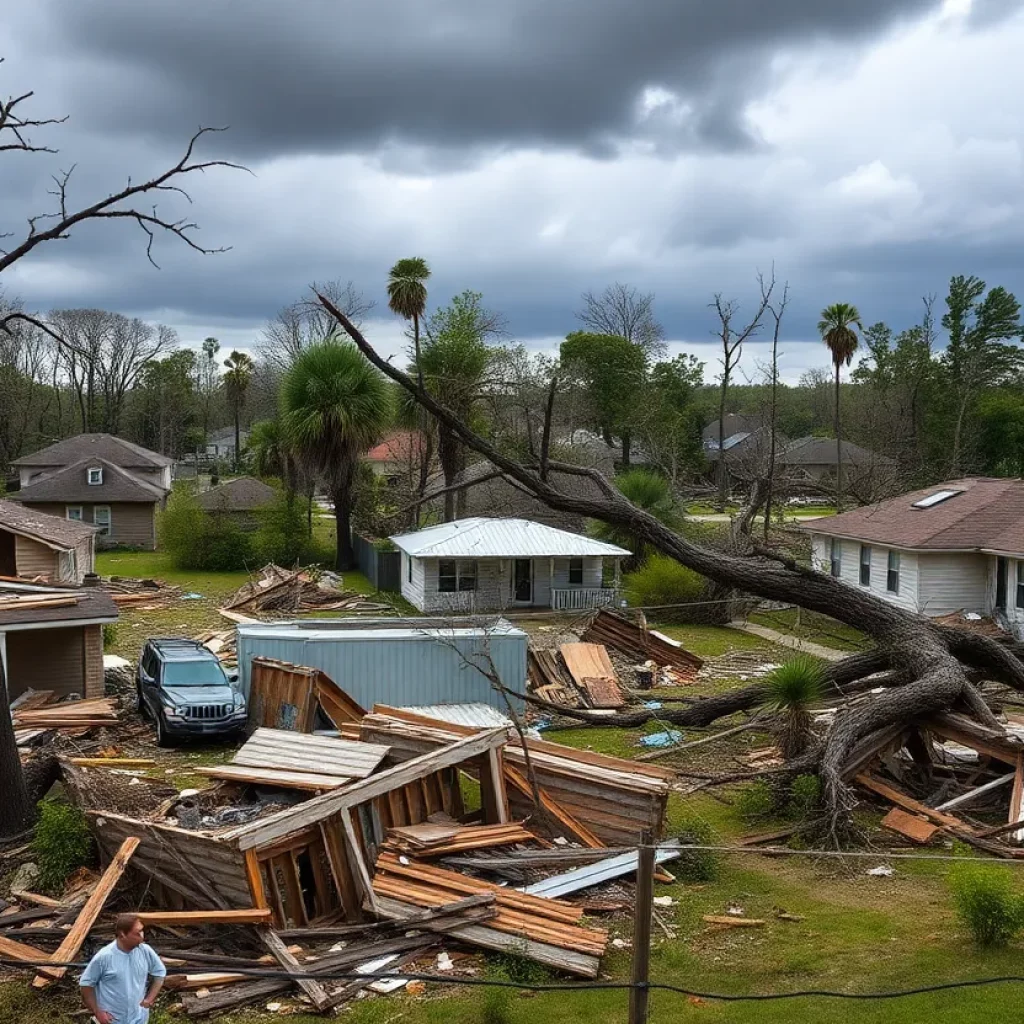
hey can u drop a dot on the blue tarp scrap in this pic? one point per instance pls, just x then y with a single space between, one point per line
661 739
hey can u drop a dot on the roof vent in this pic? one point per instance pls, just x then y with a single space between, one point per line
935 499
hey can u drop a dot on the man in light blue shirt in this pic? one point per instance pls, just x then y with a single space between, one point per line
114 983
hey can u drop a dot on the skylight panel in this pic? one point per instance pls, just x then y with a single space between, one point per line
935 499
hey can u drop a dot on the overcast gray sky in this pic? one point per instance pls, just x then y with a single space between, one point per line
530 150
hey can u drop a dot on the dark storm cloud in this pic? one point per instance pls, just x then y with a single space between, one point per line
326 76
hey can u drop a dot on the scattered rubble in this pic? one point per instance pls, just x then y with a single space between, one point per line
300 590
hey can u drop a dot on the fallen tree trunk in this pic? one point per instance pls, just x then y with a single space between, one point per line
928 654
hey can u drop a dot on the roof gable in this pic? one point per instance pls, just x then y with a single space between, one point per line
243 494
115 450
483 537
72 484
53 531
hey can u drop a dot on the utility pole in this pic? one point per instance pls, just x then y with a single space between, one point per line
638 993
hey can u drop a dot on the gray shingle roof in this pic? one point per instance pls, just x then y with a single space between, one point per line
115 450
242 495
821 451
72 484
51 530
92 604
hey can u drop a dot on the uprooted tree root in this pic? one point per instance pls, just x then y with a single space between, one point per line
935 668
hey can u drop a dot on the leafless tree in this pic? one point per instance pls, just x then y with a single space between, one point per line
18 125
936 665
731 339
305 323
623 311
777 311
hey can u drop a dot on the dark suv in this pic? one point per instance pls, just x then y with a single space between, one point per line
183 687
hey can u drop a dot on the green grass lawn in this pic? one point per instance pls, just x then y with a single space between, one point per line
815 627
709 641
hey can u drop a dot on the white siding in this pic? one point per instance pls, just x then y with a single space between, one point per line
1016 572
909 594
593 572
413 590
953 582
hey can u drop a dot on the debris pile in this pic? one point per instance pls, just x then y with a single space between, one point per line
641 643
36 712
274 589
144 594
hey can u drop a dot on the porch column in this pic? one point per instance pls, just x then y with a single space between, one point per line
618 575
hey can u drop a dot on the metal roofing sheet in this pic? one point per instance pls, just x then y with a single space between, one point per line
482 537
482 715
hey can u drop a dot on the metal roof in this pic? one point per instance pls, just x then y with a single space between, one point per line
481 716
482 537
376 629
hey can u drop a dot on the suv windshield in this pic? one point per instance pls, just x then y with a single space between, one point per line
200 672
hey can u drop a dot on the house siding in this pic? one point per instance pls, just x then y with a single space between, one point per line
92 640
35 559
909 595
494 584
48 659
953 582
132 524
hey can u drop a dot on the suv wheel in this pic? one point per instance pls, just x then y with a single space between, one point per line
162 738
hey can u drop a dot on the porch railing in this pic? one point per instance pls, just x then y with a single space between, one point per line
579 599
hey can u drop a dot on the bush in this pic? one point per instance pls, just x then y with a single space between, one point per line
756 802
804 795
109 635
281 535
697 865
662 580
987 905
61 844
196 540
496 1006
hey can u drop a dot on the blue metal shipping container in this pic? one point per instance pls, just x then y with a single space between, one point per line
395 661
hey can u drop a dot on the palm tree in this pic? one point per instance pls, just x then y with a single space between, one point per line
407 296
236 385
792 690
334 406
651 492
836 328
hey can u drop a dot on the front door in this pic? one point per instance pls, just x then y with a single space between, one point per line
522 581
1001 573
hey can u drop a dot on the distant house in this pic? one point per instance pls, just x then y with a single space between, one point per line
814 458
36 544
733 423
99 479
220 444
397 457
239 499
955 546
57 648
483 564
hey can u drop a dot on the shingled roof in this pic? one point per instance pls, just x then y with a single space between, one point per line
72 484
979 514
821 451
53 531
115 450
246 494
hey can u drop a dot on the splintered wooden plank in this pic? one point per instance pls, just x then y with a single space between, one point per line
912 826
69 948
183 918
21 951
909 803
1016 798
553 807
592 671
273 777
279 950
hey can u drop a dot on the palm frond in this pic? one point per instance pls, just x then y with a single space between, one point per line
795 685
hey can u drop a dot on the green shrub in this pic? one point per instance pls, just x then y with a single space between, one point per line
196 540
496 1005
987 905
697 865
109 635
804 795
660 581
516 966
792 690
281 536
61 844
756 802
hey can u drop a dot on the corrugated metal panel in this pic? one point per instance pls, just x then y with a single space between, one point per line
399 661
481 715
481 537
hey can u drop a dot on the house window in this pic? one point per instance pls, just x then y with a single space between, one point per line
95 474
101 517
453 576
575 572
73 512
892 576
836 555
865 565
1020 584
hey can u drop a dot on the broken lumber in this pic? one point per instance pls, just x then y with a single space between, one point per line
912 826
592 671
21 951
726 921
908 803
279 951
184 918
69 948
269 777
1016 797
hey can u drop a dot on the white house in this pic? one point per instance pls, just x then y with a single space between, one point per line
483 564
956 546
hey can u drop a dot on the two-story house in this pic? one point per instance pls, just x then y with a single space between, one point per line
100 479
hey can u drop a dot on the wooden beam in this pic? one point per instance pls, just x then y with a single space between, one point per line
357 860
69 948
553 808
284 822
909 803
254 876
279 951
967 797
184 918
1015 798
21 950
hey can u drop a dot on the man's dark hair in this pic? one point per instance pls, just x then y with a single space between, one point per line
125 923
